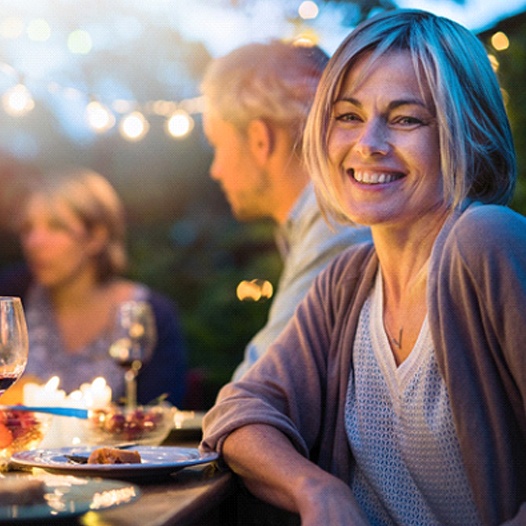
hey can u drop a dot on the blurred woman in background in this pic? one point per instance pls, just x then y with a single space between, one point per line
73 238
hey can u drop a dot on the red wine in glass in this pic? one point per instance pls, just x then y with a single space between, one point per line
14 343
6 381
134 337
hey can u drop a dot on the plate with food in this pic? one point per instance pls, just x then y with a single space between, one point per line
111 462
44 497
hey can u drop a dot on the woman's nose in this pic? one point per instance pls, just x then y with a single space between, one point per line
33 238
373 139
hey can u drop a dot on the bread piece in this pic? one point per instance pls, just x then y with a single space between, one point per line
112 455
21 491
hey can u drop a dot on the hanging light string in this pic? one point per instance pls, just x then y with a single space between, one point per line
131 118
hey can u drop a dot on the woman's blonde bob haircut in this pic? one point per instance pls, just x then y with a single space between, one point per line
476 145
92 198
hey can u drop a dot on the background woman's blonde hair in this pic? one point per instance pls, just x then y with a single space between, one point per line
476 145
95 202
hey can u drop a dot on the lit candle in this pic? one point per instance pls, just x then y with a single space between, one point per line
97 394
65 431
47 395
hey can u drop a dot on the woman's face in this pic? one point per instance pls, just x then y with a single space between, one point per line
383 145
55 242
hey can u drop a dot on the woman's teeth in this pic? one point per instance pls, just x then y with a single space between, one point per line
374 177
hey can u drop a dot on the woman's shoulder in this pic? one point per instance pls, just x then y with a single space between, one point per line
352 267
483 237
126 290
483 224
121 289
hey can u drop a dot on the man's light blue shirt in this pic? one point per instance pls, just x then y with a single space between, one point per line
307 244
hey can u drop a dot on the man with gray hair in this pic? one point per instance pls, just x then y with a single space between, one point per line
257 99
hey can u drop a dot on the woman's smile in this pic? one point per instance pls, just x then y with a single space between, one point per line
372 177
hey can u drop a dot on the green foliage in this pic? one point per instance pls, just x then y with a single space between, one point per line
199 261
512 72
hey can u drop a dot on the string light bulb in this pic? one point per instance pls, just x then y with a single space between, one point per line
99 117
17 101
133 127
180 124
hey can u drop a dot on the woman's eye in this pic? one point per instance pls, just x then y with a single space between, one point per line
408 121
347 117
57 225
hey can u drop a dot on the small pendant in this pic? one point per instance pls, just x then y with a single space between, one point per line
398 342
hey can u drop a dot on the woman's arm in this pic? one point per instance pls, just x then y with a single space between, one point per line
274 471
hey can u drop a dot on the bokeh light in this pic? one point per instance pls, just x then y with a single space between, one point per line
180 124
38 30
500 41
133 127
79 42
11 27
99 117
308 10
494 62
17 101
254 290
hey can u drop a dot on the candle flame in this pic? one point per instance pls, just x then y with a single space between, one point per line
99 383
52 384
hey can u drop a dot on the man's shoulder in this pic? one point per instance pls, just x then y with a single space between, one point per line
312 227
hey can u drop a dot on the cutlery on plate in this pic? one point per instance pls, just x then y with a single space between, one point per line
77 459
60 411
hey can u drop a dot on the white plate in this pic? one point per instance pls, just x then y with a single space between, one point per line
155 460
68 496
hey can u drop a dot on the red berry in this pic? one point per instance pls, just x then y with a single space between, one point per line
6 437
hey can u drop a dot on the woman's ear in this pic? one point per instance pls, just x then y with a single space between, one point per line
98 239
260 140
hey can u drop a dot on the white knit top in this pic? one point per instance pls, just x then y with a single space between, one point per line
408 467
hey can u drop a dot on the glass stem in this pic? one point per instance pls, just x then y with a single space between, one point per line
130 379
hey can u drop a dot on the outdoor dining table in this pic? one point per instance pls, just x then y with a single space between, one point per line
200 494
196 495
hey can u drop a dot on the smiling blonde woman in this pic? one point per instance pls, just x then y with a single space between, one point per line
396 394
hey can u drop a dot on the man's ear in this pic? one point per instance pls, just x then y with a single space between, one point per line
260 139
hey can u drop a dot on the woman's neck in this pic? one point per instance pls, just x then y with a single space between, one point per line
404 254
76 292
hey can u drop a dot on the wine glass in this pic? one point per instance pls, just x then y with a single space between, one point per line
134 337
14 343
